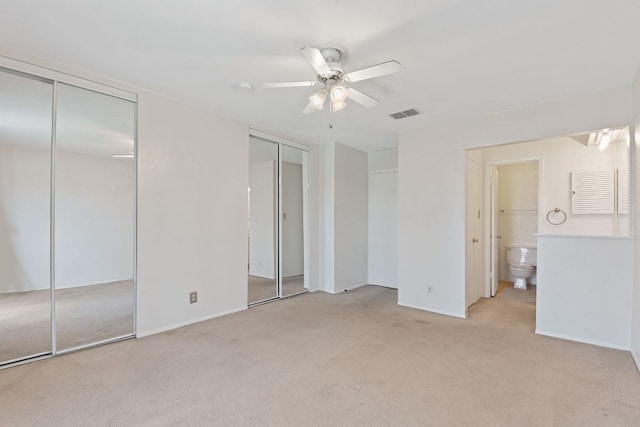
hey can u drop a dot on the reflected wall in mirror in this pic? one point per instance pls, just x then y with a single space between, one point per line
25 182
94 217
293 182
262 236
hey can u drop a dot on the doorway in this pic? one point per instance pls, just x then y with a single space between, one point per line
513 200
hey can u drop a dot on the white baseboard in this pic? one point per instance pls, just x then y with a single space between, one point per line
636 358
188 322
432 310
582 340
354 287
339 291
262 276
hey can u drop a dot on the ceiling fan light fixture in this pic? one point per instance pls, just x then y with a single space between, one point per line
337 106
338 94
317 99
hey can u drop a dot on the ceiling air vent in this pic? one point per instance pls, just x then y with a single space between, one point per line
407 113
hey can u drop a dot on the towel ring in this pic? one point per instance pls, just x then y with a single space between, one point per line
557 211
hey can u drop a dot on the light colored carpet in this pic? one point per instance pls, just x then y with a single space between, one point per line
84 315
523 295
351 359
261 289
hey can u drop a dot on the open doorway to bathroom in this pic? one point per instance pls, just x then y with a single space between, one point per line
502 196
513 225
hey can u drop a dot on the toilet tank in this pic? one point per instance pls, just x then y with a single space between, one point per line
522 255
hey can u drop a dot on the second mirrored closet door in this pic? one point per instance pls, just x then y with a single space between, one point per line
278 225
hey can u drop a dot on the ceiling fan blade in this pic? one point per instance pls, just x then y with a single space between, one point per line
379 70
310 108
290 84
361 98
316 60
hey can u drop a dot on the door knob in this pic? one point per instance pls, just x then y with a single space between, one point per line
499 237
474 240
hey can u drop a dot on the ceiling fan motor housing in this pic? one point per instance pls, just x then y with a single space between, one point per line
337 72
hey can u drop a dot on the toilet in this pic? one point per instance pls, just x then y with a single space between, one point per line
522 261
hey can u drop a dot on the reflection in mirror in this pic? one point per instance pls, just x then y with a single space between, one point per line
25 176
293 173
94 218
600 183
262 280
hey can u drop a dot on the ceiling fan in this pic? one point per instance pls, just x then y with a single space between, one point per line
335 83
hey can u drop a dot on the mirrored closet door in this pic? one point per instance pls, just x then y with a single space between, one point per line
94 217
293 220
263 236
67 216
25 187
278 226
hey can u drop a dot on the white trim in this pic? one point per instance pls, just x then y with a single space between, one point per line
351 288
431 310
343 290
370 226
261 276
51 74
278 139
582 340
189 322
636 358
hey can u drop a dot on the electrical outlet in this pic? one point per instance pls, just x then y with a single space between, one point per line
429 289
193 297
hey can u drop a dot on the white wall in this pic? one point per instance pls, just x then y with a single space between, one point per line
262 225
344 214
635 327
383 160
94 219
431 199
351 213
578 299
314 194
326 255
192 216
292 225
559 157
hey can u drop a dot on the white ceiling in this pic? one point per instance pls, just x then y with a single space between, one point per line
460 58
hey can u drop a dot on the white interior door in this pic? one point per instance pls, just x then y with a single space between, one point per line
474 252
383 264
